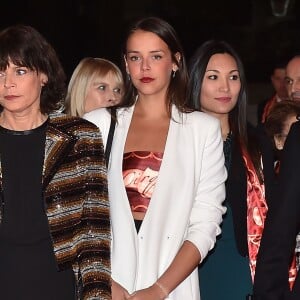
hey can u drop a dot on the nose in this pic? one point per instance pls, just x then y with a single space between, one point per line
295 86
145 65
114 98
224 86
9 81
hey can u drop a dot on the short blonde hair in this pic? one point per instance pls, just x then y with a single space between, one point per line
87 69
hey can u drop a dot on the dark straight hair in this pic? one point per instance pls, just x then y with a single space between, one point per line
24 46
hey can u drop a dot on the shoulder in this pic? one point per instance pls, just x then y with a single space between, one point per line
295 129
293 138
71 125
203 117
98 116
201 120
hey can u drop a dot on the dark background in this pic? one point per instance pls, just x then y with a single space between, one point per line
79 28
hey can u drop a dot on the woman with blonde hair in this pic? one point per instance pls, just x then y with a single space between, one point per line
95 83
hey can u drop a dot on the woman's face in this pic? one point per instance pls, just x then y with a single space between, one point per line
102 92
149 63
20 89
220 86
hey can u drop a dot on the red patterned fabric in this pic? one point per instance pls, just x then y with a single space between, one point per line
140 171
268 108
256 214
256 211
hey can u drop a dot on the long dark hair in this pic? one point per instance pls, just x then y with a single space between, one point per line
24 46
238 116
178 85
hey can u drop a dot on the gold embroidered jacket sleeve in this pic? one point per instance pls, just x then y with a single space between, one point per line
76 201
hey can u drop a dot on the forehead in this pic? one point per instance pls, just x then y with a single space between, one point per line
109 78
145 41
221 61
293 68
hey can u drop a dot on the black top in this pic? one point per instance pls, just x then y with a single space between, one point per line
28 267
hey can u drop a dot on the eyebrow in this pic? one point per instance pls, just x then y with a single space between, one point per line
152 51
212 70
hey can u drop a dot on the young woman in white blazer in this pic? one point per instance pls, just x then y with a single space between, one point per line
166 172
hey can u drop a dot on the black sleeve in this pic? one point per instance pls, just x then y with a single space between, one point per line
281 227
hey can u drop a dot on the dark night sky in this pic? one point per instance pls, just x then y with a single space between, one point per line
82 28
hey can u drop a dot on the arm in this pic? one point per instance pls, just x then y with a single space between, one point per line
186 260
94 248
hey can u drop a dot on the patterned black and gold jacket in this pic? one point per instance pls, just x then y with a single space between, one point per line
76 203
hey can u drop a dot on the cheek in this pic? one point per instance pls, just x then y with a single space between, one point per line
206 97
90 98
236 89
133 68
94 97
289 89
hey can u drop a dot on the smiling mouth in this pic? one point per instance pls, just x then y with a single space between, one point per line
223 99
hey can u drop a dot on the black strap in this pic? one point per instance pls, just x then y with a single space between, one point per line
112 126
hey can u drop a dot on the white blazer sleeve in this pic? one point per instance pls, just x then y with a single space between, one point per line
207 211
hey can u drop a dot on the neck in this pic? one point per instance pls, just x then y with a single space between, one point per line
151 107
21 122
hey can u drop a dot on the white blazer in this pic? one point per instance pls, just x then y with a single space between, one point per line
186 203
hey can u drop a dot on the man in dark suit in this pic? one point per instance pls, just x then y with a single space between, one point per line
281 228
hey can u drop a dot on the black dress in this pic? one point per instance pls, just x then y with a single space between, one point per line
28 266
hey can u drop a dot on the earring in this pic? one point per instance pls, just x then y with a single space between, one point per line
128 76
173 73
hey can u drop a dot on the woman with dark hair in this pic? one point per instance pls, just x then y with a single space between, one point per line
166 172
54 212
218 87
278 123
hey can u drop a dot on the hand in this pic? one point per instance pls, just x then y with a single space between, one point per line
118 292
151 293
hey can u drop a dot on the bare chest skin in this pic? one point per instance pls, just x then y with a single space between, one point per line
147 134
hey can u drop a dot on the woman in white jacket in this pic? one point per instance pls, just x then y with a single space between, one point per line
166 173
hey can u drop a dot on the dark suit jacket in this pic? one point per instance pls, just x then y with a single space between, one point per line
281 228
